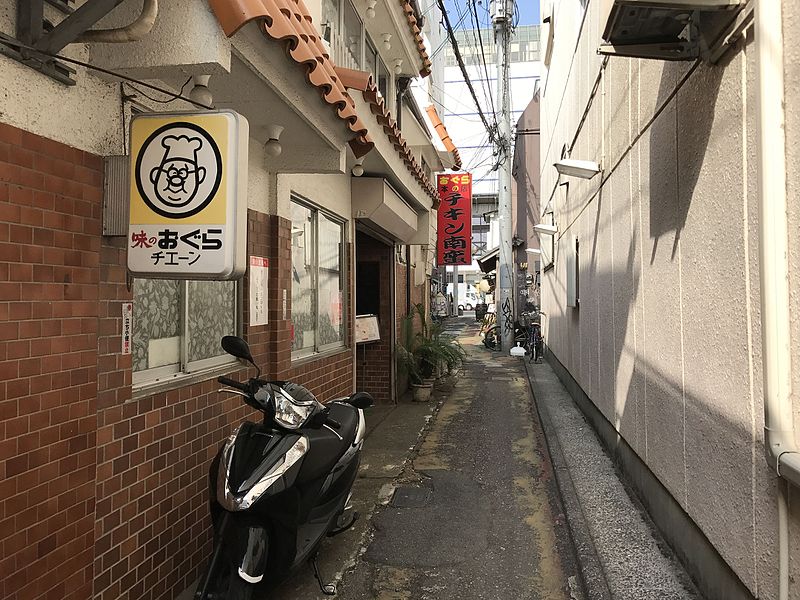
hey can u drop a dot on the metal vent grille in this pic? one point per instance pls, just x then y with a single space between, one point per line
116 199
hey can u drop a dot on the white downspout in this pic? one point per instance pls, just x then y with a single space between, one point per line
782 451
130 33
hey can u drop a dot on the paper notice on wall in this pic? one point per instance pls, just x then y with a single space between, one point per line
127 326
259 278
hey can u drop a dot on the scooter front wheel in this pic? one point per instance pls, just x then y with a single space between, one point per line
227 585
238 589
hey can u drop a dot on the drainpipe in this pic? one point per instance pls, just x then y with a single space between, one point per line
779 435
130 33
408 280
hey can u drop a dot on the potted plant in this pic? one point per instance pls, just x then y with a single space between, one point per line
425 353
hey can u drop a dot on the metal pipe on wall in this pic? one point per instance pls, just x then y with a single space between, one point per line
130 33
779 435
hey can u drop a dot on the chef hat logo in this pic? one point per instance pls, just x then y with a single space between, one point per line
177 178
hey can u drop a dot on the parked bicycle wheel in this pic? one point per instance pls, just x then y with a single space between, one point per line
491 338
538 344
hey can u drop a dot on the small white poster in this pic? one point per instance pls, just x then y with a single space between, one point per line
127 326
259 276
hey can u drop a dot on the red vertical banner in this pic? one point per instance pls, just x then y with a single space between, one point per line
454 234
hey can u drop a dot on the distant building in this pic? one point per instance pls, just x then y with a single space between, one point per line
467 129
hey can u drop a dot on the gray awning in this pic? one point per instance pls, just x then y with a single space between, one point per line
488 262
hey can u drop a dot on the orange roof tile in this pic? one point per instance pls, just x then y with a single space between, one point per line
289 21
442 131
363 82
417 35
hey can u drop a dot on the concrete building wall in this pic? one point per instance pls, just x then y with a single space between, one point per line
666 339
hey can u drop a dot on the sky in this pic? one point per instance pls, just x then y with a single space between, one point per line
529 11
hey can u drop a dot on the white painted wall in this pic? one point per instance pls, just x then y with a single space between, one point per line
331 192
666 341
86 116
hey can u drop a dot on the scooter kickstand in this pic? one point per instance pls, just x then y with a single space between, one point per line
327 589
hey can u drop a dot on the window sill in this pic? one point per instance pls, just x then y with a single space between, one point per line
308 358
179 380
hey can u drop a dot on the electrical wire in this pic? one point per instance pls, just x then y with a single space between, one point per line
471 3
173 98
460 61
21 46
446 41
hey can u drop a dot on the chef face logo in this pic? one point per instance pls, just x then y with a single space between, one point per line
178 170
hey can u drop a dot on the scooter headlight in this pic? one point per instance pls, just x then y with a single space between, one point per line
289 413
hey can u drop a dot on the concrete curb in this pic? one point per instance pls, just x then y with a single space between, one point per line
590 569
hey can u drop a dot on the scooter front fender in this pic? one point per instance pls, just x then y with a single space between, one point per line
247 547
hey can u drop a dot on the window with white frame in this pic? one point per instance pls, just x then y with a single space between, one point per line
178 325
318 290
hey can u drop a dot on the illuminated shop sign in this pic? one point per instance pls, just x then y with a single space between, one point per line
454 233
188 210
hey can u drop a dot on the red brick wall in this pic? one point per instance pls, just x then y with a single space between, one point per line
373 360
154 531
417 296
50 208
103 495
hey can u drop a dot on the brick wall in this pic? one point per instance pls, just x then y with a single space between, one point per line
154 452
101 494
417 296
373 360
50 203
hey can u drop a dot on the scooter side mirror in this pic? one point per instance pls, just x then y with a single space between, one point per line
360 400
236 346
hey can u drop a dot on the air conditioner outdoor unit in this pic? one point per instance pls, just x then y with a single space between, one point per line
665 29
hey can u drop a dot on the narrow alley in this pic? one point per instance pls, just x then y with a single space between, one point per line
472 508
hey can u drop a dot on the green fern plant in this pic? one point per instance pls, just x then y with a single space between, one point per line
423 354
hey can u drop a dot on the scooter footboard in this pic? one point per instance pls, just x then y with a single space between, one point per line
247 546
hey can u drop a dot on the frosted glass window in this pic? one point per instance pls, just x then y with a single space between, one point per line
304 297
178 325
318 291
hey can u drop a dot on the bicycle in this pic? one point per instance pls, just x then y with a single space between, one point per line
489 321
491 339
534 342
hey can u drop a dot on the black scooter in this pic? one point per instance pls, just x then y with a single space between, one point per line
278 488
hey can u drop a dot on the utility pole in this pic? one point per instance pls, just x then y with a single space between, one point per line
502 18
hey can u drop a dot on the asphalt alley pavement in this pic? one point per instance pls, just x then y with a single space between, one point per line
472 496
475 513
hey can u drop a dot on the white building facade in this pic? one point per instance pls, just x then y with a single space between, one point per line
659 283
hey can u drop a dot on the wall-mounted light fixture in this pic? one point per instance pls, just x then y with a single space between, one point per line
398 66
358 168
200 92
273 145
371 8
533 250
387 41
543 229
585 169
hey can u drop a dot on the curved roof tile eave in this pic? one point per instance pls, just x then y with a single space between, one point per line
289 22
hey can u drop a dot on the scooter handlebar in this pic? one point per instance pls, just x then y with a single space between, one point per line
233 383
333 423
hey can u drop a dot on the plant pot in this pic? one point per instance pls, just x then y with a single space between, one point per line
421 392
447 382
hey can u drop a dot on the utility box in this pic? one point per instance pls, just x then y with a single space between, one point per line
665 29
